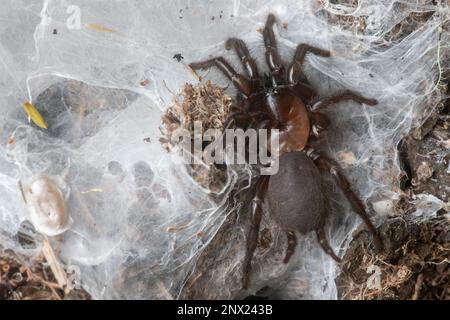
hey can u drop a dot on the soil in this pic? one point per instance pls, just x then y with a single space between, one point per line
22 278
208 105
415 262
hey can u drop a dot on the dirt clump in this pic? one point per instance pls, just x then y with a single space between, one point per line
415 263
23 278
208 105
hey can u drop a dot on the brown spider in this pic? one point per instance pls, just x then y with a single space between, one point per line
283 100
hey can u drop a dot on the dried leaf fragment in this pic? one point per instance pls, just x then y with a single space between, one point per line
99 28
34 115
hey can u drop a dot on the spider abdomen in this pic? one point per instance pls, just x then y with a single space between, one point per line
295 195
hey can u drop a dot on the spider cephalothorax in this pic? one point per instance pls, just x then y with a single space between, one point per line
284 100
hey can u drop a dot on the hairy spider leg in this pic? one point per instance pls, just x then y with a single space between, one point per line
243 53
272 56
292 244
295 73
343 96
252 237
245 120
322 239
333 168
241 82
303 90
319 123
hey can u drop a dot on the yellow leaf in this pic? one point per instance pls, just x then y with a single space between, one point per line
98 27
34 115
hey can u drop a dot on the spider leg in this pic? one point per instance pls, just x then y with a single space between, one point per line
303 90
241 82
240 120
252 237
345 95
333 168
292 244
272 56
319 123
247 61
244 120
320 233
295 73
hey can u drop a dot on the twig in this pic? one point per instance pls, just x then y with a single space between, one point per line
55 266
418 287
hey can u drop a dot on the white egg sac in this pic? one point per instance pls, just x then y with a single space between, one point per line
46 206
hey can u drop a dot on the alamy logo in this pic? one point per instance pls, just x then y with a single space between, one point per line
231 146
73 22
